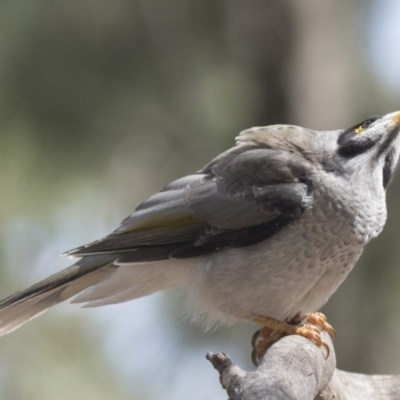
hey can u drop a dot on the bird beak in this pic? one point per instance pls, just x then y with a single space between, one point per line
392 125
395 118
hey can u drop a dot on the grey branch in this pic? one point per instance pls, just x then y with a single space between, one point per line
296 369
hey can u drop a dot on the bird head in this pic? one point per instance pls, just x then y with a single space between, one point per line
370 148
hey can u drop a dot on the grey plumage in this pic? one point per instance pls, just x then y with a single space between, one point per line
270 227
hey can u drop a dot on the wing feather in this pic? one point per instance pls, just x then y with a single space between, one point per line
243 196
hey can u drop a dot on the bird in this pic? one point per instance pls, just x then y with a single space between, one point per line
266 232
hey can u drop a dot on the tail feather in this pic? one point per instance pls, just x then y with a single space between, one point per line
22 306
130 282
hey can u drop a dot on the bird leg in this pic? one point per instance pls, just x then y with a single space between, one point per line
309 327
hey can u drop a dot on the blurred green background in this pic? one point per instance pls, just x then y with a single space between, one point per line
102 103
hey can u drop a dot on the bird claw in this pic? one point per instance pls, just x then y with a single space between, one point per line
312 326
320 320
261 341
311 332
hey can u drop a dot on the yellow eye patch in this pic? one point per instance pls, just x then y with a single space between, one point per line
365 125
359 129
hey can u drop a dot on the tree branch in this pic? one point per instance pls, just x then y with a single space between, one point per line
295 368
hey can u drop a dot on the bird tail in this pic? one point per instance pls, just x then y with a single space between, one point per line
22 306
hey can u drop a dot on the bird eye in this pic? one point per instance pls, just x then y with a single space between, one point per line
365 125
351 143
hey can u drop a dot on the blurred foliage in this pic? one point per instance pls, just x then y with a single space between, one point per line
101 104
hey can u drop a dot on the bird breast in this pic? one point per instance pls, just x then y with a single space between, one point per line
296 270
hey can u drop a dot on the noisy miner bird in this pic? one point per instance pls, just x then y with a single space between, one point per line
266 232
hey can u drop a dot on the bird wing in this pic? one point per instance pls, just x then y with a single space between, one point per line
242 197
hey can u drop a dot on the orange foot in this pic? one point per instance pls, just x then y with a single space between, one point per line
273 330
321 321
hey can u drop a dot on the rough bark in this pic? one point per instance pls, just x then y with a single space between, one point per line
295 369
